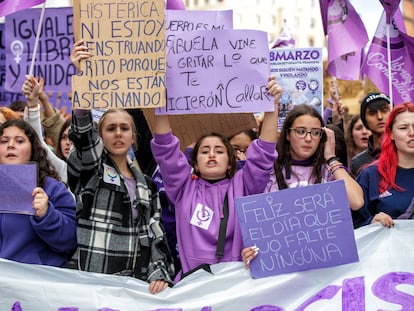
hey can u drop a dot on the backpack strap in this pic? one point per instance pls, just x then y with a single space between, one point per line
220 241
222 230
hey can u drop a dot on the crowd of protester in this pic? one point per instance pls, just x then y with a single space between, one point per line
103 205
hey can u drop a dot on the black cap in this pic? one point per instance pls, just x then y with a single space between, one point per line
374 97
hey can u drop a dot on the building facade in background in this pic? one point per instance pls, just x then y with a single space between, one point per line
301 16
304 20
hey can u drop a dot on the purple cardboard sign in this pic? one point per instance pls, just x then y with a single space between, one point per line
16 186
6 98
52 55
298 229
60 101
217 71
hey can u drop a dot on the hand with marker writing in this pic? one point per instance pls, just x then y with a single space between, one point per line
248 254
79 52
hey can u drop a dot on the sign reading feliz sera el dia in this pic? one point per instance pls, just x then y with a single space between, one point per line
298 229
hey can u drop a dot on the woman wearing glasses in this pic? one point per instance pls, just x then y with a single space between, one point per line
306 156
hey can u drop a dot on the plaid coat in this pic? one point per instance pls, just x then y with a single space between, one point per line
109 240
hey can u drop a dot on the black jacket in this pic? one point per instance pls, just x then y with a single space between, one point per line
362 159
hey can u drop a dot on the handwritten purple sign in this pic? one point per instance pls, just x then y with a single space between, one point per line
52 57
298 229
16 186
6 98
217 71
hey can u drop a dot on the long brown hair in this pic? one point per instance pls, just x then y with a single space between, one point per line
59 151
284 159
350 142
38 153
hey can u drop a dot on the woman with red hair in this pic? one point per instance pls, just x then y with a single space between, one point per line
388 183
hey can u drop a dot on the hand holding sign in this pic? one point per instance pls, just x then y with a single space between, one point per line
297 229
217 71
79 52
40 202
16 187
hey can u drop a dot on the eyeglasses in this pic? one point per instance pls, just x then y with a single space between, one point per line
301 132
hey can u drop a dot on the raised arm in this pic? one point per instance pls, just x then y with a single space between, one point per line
30 90
53 119
269 124
44 100
339 171
162 124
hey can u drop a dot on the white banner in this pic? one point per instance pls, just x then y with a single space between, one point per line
383 279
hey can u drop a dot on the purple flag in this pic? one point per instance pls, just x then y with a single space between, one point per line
390 7
175 5
285 39
323 4
376 63
347 37
11 6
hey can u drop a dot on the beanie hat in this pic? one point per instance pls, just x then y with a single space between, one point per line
374 97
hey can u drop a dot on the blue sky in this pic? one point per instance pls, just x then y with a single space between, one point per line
370 12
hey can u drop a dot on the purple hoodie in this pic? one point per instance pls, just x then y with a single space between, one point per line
47 240
198 227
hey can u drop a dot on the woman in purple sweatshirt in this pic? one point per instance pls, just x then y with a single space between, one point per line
47 237
306 156
204 190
